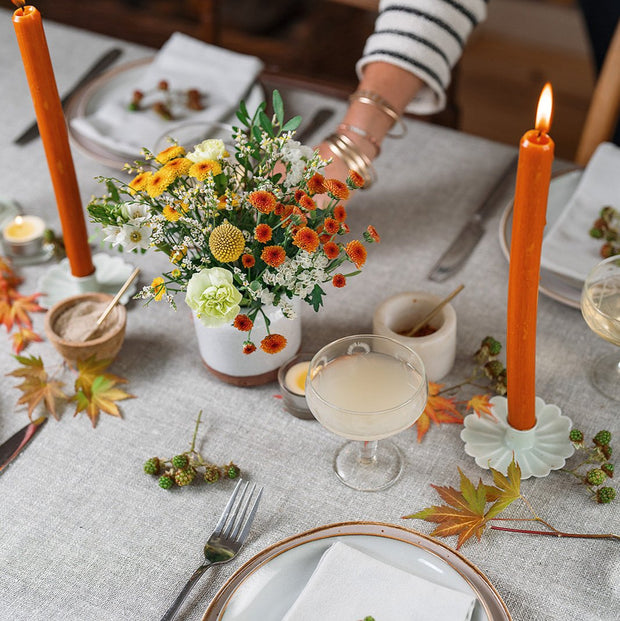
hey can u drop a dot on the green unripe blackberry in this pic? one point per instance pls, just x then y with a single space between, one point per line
605 495
185 476
607 451
576 436
495 347
596 233
212 474
595 476
602 438
151 466
166 481
232 471
608 469
180 461
493 369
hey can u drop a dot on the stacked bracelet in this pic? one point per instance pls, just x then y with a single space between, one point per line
344 148
362 133
374 99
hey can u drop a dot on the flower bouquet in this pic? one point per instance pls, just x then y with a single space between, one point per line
242 231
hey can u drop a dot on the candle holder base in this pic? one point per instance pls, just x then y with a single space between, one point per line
493 442
110 273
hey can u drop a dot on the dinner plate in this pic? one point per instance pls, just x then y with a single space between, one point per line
561 189
267 585
118 80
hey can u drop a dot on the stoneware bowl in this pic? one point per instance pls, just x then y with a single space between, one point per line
401 312
105 347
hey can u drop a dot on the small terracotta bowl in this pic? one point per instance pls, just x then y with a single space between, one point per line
402 311
105 347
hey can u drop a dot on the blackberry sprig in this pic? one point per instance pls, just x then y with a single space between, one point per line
182 469
607 228
595 468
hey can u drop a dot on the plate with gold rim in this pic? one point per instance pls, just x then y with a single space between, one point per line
266 586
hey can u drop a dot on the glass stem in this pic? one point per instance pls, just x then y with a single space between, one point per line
368 452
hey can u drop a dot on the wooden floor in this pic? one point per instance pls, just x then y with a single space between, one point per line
522 44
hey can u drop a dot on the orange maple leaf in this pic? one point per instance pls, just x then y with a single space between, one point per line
21 306
480 404
438 410
5 315
23 337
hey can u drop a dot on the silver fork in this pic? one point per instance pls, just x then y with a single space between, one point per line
227 538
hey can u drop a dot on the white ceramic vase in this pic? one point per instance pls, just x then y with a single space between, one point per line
221 348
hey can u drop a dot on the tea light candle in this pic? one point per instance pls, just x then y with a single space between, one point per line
295 378
23 236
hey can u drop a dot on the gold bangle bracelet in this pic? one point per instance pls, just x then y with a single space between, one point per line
343 147
373 99
363 134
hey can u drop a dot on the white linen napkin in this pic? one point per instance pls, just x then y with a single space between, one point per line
348 585
567 248
225 78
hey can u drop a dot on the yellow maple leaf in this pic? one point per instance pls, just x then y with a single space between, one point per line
90 369
438 410
101 396
23 337
480 404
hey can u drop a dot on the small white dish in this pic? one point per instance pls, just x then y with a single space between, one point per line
401 312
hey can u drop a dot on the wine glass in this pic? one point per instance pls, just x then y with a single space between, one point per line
600 306
365 388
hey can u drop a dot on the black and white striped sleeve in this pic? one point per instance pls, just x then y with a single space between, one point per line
425 37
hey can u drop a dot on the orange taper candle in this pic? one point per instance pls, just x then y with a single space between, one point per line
528 222
53 130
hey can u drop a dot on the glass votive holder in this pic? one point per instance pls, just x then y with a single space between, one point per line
292 379
23 236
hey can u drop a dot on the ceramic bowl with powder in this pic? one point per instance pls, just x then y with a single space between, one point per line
71 326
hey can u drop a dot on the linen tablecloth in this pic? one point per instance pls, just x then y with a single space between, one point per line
87 536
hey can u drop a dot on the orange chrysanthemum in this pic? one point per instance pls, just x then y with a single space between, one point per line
264 201
179 166
332 226
273 343
307 203
205 168
139 181
299 194
331 250
315 184
345 228
159 181
307 239
278 209
243 323
170 213
249 348
170 153
262 233
356 179
372 232
273 255
337 189
340 213
339 280
356 252
301 219
247 260
287 210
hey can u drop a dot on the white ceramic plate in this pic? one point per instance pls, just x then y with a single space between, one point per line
120 79
268 584
560 288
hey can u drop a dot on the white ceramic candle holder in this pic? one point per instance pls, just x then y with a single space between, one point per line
110 273
493 442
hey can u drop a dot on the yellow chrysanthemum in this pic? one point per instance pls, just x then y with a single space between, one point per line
201 170
175 273
159 288
139 182
226 242
177 255
170 153
179 166
181 205
159 181
171 214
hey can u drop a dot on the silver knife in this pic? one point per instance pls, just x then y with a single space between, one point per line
10 449
98 67
453 259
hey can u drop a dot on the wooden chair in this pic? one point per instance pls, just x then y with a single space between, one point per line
604 110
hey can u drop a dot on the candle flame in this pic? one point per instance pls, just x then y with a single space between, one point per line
545 109
19 220
20 4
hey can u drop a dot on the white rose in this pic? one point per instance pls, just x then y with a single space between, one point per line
211 149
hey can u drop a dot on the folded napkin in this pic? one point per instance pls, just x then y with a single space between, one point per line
348 585
224 77
568 249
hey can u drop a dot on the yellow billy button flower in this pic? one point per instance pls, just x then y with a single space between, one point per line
158 287
226 243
